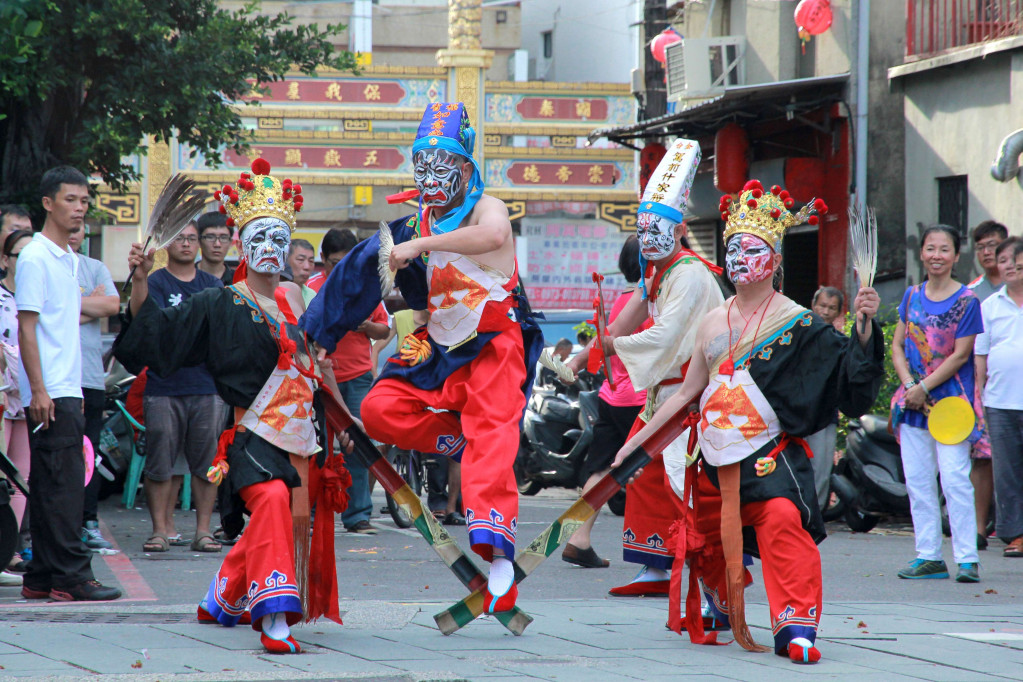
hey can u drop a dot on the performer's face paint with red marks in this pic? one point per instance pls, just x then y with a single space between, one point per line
656 236
438 176
748 259
265 243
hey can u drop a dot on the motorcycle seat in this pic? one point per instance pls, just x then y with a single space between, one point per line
877 428
560 411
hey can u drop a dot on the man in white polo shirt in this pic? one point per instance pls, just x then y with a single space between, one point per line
999 352
49 306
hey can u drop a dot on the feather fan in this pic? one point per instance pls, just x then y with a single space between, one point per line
384 259
863 237
178 203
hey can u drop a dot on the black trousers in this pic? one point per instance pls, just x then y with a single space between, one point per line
94 400
57 491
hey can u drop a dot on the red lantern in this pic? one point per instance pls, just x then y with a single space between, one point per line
649 157
661 42
813 16
731 158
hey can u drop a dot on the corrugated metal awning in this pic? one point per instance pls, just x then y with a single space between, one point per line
761 102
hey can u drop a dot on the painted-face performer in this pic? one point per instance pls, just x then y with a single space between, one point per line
246 334
679 289
458 385
768 373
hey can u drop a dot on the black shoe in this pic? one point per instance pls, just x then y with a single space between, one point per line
981 541
90 590
454 519
363 528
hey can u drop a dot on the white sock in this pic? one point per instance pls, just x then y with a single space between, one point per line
275 625
502 575
650 574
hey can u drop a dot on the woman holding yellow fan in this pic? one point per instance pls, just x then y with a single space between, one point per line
932 412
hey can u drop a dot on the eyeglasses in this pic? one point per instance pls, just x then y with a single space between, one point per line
181 239
214 238
987 246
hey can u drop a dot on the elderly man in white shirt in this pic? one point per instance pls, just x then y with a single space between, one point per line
999 352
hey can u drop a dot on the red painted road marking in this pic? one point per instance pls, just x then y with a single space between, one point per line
132 583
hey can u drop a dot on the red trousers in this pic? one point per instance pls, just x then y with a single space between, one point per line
790 560
649 514
258 573
484 404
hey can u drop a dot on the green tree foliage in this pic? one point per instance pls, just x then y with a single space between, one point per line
84 82
888 318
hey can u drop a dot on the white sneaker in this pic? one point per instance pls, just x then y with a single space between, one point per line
8 579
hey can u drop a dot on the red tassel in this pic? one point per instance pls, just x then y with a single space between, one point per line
328 487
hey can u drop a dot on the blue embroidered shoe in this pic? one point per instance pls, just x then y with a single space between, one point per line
923 568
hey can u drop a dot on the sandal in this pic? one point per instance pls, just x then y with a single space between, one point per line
1014 549
205 542
177 540
220 535
156 543
454 519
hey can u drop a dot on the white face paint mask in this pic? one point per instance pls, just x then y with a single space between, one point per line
265 243
656 236
438 176
748 259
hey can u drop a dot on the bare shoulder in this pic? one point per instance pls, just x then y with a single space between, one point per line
489 209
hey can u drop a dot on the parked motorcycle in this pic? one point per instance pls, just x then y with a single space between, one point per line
869 480
8 520
557 430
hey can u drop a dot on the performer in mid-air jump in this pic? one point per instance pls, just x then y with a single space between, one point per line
458 384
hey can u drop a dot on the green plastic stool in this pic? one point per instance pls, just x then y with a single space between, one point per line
138 460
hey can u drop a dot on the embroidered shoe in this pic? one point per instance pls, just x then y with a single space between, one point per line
968 573
802 650
498 604
922 568
288 645
204 616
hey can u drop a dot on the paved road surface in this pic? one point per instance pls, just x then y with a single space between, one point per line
874 625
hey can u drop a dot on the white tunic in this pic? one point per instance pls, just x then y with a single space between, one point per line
459 291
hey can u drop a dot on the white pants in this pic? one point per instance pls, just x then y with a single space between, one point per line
923 458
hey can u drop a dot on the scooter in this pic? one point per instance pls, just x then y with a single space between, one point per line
869 480
8 521
556 433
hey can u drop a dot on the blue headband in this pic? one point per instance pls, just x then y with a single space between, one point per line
665 212
662 210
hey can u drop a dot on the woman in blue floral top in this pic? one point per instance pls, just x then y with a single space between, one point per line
933 356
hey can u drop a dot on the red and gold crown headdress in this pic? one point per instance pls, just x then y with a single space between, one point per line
766 214
260 195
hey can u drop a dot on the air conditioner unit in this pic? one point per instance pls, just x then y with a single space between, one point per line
701 68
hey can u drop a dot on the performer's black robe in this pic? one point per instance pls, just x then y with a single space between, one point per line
221 328
806 370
